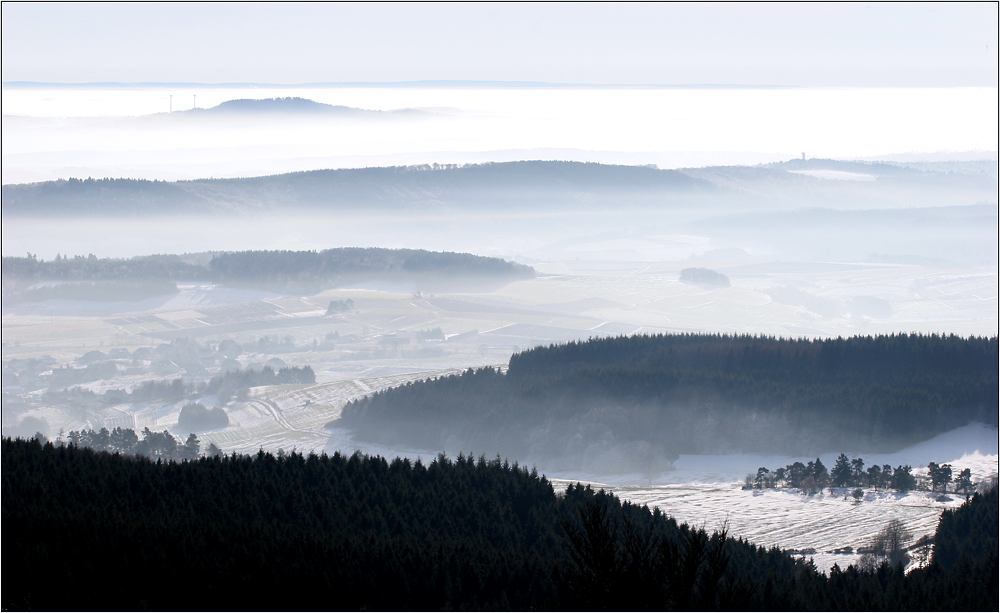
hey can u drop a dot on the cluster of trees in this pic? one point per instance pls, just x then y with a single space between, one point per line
154 445
434 334
941 475
695 393
235 384
195 417
272 343
845 473
704 276
167 391
340 306
850 472
228 385
332 265
148 391
64 376
267 532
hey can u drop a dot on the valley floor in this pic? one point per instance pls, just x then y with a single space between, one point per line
574 301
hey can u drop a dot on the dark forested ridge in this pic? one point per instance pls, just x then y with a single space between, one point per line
86 529
968 532
512 184
588 402
281 270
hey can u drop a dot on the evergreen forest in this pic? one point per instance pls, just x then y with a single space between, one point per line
100 530
696 393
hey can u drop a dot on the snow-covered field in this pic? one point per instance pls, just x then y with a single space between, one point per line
814 524
707 491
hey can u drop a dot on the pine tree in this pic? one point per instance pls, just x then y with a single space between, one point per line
841 473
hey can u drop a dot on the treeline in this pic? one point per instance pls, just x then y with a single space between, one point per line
696 393
125 441
851 473
846 473
228 385
235 384
93 268
356 532
470 186
87 277
229 382
310 266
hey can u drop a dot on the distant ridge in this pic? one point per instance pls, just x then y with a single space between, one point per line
271 105
289 105
507 184
534 185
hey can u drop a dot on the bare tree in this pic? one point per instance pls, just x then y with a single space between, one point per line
887 547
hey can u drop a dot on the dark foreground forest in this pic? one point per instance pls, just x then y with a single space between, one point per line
93 530
599 403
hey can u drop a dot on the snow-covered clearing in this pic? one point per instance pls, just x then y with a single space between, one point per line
707 491
817 523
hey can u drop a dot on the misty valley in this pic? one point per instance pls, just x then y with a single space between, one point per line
490 384
195 359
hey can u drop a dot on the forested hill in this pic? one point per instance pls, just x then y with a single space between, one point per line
334 263
299 270
510 184
86 529
627 403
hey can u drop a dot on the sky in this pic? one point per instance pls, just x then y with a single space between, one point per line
855 45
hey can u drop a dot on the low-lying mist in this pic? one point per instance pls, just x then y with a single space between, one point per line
64 131
634 404
792 249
